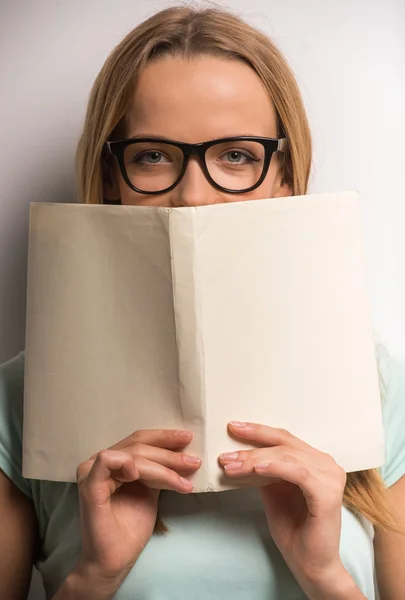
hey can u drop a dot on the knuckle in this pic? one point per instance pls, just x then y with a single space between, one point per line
335 500
136 449
167 477
341 476
82 469
171 476
329 459
284 433
134 437
290 458
103 455
336 470
304 473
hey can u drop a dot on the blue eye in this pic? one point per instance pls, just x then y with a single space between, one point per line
235 157
155 155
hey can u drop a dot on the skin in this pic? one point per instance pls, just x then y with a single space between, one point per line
195 101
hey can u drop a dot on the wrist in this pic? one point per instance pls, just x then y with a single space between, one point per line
336 584
85 583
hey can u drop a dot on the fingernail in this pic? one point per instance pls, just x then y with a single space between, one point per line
182 433
262 466
192 460
185 481
237 424
229 455
233 466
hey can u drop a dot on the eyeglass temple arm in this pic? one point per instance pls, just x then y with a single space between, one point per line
282 145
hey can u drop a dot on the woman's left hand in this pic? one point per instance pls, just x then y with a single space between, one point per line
302 500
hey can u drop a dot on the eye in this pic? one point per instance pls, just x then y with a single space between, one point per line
152 157
237 157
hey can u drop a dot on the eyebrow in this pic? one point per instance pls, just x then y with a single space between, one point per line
148 135
163 137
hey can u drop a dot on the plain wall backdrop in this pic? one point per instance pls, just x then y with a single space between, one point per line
349 59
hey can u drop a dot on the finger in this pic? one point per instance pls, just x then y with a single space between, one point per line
245 460
177 461
104 475
285 453
172 439
245 469
242 455
266 436
322 492
158 477
240 468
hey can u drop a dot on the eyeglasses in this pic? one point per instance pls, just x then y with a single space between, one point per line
234 164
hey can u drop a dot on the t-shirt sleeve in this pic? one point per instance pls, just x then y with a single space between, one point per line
392 382
11 420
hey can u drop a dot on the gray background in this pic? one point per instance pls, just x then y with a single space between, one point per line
349 58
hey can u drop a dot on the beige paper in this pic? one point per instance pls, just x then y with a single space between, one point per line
149 317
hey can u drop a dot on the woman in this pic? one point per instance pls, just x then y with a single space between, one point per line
190 76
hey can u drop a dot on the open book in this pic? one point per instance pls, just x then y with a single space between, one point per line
151 317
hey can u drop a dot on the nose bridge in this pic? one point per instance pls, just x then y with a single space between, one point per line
194 189
196 150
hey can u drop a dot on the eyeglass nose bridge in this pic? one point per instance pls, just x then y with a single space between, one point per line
199 149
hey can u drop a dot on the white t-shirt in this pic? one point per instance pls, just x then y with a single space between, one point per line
219 546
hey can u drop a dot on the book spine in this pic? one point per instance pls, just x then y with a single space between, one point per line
183 232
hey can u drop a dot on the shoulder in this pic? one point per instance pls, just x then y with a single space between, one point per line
11 420
392 387
12 390
12 375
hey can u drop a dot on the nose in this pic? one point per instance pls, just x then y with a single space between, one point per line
194 189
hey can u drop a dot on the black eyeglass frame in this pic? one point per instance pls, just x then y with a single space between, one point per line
270 145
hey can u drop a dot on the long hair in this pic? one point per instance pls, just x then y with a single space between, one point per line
186 32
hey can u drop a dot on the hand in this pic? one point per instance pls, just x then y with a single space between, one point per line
118 492
302 499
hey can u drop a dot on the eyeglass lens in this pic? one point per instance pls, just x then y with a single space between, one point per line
155 166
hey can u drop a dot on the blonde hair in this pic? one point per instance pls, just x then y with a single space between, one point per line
188 32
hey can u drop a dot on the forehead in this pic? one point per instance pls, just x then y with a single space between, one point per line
200 99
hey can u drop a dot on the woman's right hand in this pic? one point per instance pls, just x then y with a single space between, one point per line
118 494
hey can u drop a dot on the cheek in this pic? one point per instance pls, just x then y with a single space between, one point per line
130 197
265 190
127 195
267 187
